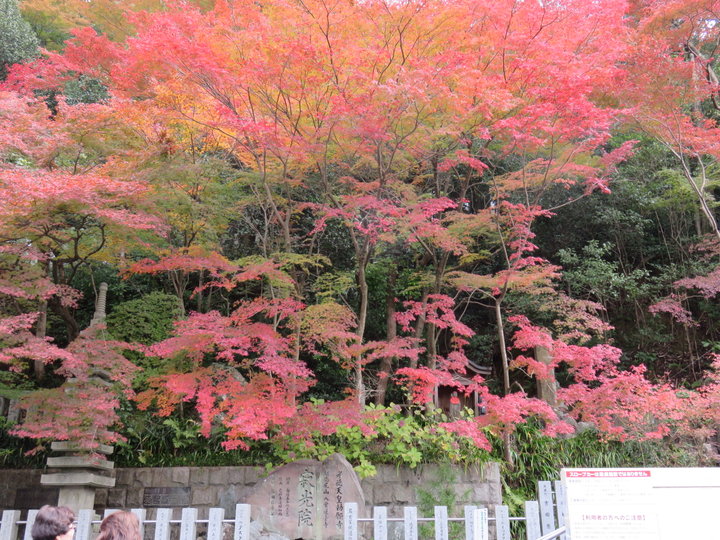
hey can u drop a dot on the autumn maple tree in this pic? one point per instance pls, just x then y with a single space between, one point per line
60 213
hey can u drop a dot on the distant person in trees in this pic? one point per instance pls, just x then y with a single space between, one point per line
120 526
54 523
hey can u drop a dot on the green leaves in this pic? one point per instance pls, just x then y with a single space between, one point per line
391 437
18 42
146 320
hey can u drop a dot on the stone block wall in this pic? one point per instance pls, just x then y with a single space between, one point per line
223 487
399 487
23 486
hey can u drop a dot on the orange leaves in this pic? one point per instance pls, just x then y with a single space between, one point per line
299 81
330 326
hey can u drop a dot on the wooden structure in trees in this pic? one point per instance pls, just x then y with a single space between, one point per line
452 402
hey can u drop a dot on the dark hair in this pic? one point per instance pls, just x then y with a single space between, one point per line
52 521
120 526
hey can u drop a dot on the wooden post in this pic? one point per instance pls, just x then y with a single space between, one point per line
502 522
480 524
9 526
162 524
242 522
380 531
547 507
441 523
561 503
141 514
188 524
410 523
350 517
215 524
469 523
83 527
532 520
32 514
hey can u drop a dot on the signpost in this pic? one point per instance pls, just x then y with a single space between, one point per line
642 503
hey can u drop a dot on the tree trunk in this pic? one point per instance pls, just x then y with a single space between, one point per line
507 450
432 362
179 280
503 346
386 364
547 387
363 259
71 325
199 295
40 333
420 325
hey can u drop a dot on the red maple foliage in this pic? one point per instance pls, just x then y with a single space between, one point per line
381 116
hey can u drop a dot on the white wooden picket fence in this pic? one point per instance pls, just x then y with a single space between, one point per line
189 523
544 519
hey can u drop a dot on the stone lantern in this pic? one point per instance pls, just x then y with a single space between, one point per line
82 470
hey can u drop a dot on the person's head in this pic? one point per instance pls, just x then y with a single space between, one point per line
120 526
54 523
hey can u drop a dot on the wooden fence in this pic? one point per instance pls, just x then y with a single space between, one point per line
160 528
543 519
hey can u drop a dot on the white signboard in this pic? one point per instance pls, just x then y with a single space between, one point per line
643 503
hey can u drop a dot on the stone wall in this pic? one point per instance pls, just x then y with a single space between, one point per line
398 487
206 487
22 488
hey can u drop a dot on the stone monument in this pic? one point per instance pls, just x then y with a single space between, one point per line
304 499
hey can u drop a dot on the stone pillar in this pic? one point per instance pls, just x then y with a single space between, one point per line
546 388
81 473
100 302
15 413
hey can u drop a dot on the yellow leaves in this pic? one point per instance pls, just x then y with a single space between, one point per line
531 279
469 227
470 259
174 94
472 282
304 263
108 16
329 319
331 285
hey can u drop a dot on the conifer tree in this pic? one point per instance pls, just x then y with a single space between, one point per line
18 41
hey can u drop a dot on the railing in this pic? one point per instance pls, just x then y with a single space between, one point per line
554 534
543 520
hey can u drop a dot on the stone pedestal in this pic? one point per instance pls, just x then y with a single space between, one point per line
82 472
77 498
